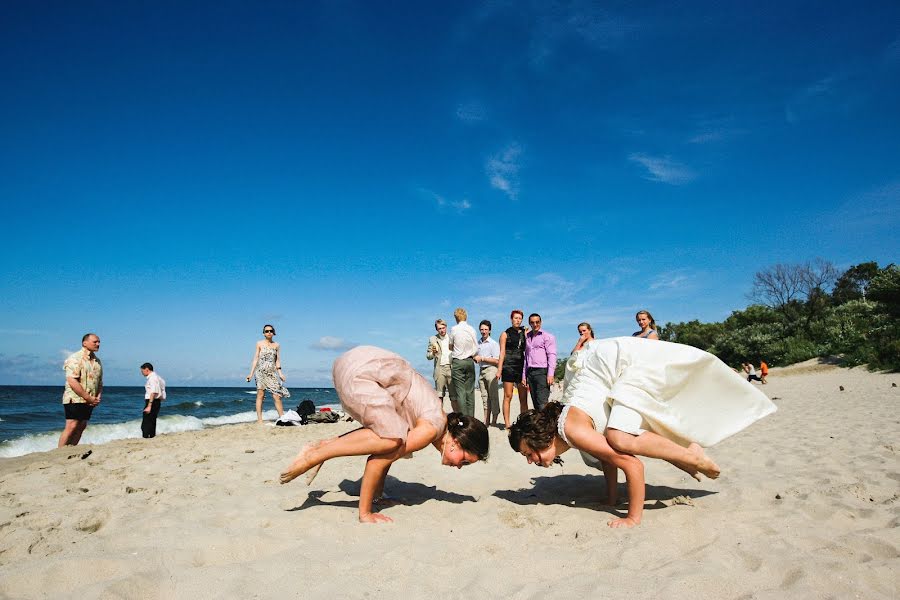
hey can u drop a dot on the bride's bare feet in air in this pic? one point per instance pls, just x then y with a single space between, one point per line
704 463
626 523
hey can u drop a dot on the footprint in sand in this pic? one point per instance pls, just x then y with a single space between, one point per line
92 523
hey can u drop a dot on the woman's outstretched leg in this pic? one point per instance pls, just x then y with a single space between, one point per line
278 405
359 442
691 460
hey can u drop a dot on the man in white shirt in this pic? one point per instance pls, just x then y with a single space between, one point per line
488 358
439 352
463 346
154 394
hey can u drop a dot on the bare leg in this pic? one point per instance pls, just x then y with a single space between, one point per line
611 474
634 481
259 400
507 398
523 398
691 460
358 442
76 436
71 434
278 405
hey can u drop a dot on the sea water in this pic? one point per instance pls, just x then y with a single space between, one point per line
32 417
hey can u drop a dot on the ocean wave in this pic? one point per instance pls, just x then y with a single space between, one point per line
103 433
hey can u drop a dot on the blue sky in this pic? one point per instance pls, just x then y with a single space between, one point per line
177 174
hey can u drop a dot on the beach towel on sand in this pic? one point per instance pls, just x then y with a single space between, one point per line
685 394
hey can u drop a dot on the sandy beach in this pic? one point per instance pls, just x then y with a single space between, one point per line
808 506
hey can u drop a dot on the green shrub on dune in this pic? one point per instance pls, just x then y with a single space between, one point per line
798 318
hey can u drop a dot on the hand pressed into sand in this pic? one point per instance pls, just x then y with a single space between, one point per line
626 523
374 518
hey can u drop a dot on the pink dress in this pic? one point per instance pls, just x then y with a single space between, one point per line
382 391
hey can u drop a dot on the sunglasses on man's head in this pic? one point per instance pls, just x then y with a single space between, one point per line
268 331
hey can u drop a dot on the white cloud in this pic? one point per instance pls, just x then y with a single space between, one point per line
332 344
502 170
470 112
873 209
663 169
442 202
669 281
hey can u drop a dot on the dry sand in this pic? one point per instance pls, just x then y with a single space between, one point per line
807 507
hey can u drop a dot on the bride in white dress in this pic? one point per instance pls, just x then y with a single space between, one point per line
630 396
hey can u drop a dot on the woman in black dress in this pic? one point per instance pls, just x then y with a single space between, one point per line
512 364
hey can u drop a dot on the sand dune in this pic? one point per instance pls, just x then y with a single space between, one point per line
807 506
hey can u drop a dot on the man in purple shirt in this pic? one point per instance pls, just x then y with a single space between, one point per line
540 361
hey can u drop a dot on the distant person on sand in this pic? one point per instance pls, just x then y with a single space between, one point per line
463 346
84 386
585 336
267 365
540 361
763 370
511 367
154 394
750 370
439 352
623 397
488 358
400 413
647 324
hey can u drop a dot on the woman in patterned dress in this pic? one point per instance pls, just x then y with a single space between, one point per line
267 364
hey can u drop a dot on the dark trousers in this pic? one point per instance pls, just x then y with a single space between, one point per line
536 378
148 423
462 372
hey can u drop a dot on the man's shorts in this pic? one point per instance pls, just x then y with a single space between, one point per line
78 411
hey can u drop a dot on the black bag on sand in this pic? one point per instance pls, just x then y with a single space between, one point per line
304 409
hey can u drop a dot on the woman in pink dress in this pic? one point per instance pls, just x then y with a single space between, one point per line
400 413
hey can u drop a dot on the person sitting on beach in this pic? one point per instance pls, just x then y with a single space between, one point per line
651 400
400 413
585 336
647 324
267 364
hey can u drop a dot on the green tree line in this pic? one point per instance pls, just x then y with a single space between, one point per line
808 310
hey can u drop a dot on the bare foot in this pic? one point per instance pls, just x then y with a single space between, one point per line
375 518
302 463
626 523
704 463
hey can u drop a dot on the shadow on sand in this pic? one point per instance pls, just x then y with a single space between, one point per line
403 492
589 491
